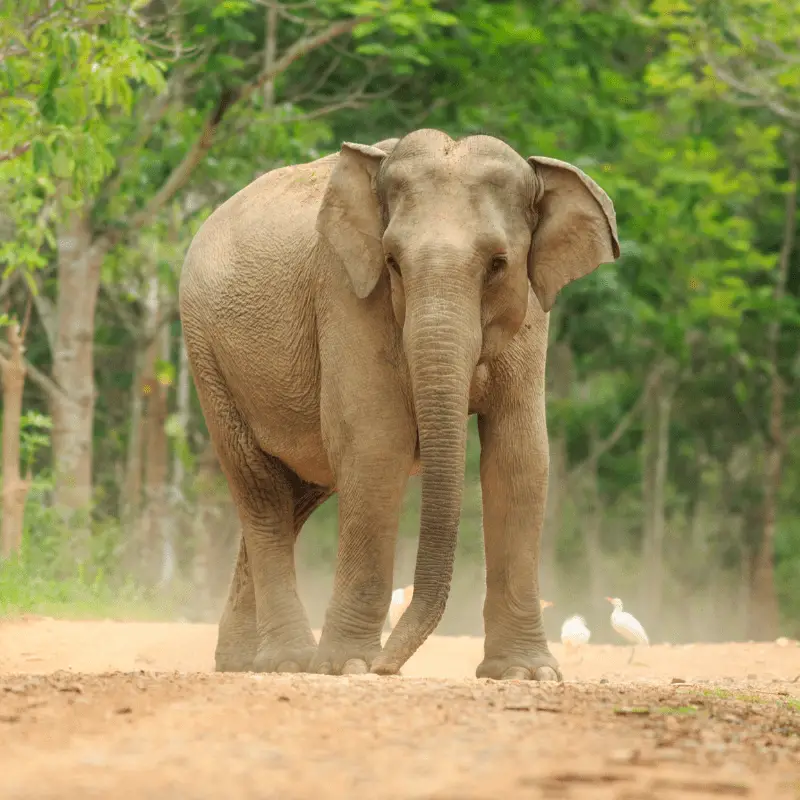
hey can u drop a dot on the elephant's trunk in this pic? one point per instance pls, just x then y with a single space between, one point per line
442 339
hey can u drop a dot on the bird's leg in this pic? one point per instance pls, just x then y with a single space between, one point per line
633 651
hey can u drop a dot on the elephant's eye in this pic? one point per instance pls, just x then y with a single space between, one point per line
496 266
391 262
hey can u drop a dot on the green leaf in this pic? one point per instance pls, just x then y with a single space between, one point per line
165 373
442 18
41 156
230 8
62 165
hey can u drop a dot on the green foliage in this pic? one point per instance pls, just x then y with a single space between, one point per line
46 578
34 436
685 113
63 69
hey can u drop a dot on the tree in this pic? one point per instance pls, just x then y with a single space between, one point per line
88 187
15 486
740 54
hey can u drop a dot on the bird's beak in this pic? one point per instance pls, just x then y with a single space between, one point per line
610 599
546 604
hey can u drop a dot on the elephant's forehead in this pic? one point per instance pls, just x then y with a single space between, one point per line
458 168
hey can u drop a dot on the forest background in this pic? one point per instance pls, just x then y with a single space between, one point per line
673 374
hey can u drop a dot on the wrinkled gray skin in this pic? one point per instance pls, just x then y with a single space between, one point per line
342 319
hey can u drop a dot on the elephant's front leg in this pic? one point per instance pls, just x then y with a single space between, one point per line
514 466
370 497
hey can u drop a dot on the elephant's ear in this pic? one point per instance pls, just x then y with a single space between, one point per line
350 216
576 230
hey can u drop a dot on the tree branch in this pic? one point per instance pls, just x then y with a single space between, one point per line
154 114
356 99
44 382
50 15
271 22
300 48
622 426
775 51
353 102
303 93
777 387
301 4
15 152
47 314
128 320
197 152
759 92
7 284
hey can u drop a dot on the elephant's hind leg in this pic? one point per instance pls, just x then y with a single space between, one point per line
238 640
308 497
263 489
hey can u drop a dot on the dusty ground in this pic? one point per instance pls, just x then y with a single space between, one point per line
128 710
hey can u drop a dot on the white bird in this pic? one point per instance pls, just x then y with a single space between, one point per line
400 602
574 631
627 626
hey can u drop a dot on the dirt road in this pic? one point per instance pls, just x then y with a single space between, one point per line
131 710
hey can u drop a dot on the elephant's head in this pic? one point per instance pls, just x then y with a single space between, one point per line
462 228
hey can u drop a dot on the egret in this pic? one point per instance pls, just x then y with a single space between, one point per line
574 633
400 601
627 626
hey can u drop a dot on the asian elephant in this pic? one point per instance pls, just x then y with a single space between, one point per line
342 319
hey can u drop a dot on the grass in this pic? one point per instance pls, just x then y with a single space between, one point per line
79 594
676 710
87 610
791 703
726 694
647 710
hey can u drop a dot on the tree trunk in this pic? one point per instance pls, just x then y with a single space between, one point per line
183 413
270 50
655 455
208 519
164 515
156 456
560 368
15 488
144 376
132 489
764 613
73 364
701 572
593 527
744 593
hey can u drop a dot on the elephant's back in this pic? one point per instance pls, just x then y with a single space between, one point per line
252 233
247 297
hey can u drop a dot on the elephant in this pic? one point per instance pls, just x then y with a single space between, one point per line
343 318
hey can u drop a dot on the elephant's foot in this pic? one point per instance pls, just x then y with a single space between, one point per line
538 665
283 658
233 662
340 656
234 653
